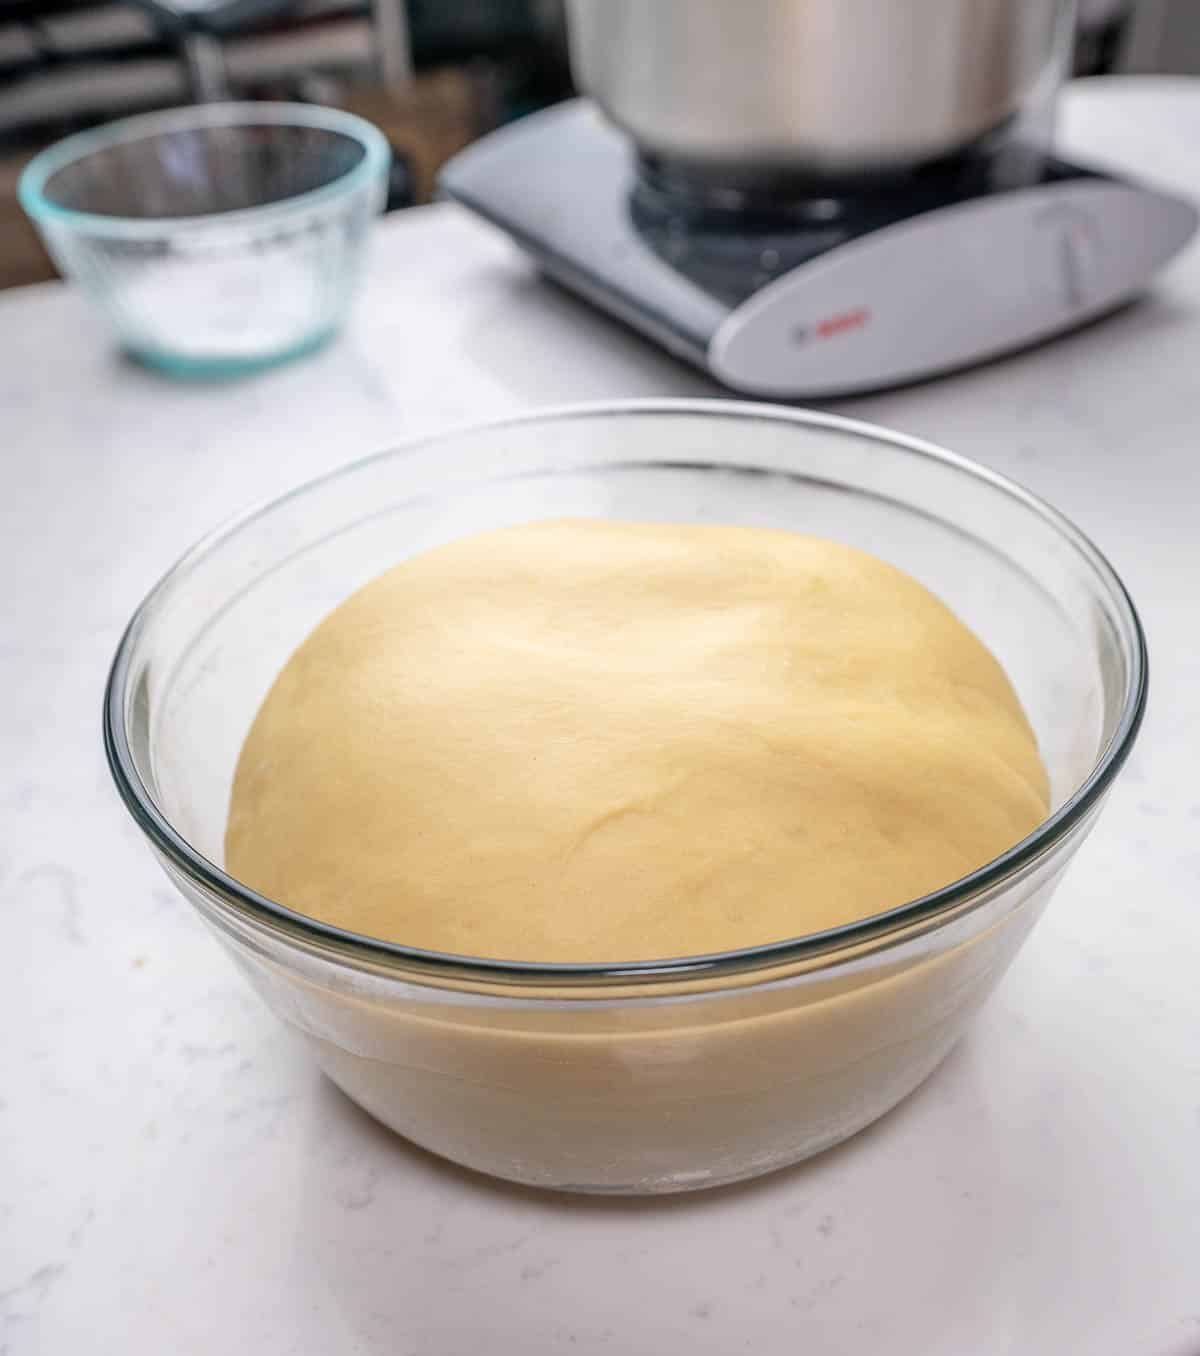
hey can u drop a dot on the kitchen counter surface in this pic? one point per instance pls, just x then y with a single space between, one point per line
175 1176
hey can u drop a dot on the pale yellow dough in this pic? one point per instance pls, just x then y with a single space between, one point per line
597 741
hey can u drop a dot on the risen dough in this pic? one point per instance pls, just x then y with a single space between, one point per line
597 741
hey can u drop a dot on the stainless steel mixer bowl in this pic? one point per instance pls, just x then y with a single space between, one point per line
831 86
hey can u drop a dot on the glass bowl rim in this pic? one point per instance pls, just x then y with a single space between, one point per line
403 961
144 126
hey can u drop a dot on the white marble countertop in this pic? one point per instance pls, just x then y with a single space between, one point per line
176 1177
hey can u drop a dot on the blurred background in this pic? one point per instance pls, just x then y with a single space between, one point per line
432 74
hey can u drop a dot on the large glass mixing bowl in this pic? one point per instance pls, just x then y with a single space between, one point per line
651 1076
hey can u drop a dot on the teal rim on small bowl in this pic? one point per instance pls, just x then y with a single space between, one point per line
31 187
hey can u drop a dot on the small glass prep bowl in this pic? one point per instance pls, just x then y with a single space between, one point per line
216 239
652 1076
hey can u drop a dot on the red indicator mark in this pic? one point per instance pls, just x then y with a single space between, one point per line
843 323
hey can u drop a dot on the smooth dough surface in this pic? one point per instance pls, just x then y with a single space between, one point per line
598 741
